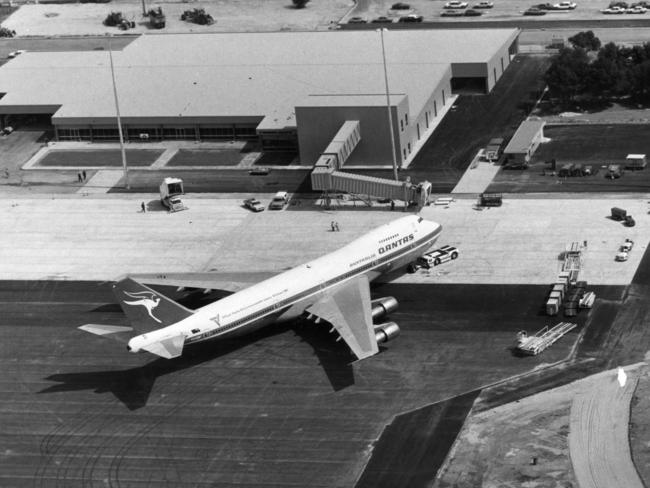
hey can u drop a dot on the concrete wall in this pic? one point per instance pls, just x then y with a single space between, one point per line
318 125
430 113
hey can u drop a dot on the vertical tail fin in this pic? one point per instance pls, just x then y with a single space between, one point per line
147 309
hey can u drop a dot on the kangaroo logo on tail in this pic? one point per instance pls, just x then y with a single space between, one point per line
145 298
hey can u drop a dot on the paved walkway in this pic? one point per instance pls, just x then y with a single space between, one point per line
101 182
477 176
598 434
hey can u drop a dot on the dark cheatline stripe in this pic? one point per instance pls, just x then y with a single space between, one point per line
296 298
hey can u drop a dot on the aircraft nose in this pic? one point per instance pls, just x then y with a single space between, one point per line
132 346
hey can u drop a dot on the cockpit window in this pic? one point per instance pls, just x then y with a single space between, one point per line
420 220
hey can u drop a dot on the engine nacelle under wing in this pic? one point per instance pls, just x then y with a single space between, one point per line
383 306
385 332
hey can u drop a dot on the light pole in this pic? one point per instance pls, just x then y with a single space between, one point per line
119 120
390 112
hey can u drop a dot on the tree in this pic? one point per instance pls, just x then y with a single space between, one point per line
567 75
586 40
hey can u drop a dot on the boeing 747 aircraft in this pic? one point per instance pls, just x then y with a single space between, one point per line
333 288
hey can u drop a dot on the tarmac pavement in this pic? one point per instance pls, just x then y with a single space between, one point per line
101 237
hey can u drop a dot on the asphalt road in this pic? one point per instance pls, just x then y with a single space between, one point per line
281 407
475 120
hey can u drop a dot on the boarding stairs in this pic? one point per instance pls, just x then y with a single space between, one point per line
533 345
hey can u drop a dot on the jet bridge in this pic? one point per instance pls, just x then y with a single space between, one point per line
329 180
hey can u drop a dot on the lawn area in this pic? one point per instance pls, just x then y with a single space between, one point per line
206 157
100 157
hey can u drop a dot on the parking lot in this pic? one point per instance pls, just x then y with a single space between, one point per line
595 145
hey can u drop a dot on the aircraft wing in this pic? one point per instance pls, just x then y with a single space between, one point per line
348 309
231 282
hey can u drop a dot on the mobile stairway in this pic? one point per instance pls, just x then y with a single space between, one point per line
533 345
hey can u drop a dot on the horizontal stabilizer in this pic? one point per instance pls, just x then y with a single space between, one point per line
119 333
167 348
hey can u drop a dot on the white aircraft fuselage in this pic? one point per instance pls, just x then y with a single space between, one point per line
389 248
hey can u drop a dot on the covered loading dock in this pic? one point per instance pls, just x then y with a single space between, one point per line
525 142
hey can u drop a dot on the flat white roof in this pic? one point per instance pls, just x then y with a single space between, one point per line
523 137
256 75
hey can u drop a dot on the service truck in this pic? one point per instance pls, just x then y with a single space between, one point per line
170 191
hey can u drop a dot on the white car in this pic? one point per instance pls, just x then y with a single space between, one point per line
627 245
484 4
638 9
565 6
613 10
621 256
439 256
13 54
456 4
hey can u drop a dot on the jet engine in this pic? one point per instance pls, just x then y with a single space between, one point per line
386 331
383 306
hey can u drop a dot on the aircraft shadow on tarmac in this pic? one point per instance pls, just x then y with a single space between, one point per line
133 386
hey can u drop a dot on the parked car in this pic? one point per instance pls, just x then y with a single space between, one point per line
535 11
280 199
473 13
401 6
411 18
455 4
566 5
254 204
484 4
357 20
13 54
638 9
613 10
382 20
452 13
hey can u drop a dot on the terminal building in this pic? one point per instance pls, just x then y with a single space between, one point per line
291 91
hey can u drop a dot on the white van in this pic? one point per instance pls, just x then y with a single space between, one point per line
279 200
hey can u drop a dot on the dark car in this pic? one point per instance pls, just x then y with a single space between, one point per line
534 11
356 20
473 13
452 13
411 18
382 20
401 6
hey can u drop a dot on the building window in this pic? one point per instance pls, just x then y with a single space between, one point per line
426 118
502 68
418 128
404 152
435 109
443 97
409 146
406 119
401 124
495 76
223 132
